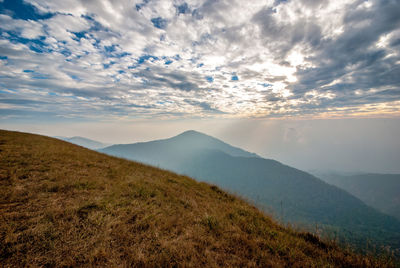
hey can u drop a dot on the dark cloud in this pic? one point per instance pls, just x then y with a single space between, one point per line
282 36
23 102
355 52
160 78
314 3
204 105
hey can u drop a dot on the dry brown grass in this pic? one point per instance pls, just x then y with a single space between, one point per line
63 205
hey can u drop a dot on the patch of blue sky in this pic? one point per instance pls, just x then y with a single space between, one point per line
95 25
79 35
8 91
35 75
197 14
146 57
110 49
164 102
168 62
210 79
107 65
121 55
159 22
96 43
36 45
75 77
66 52
235 78
111 52
183 9
139 6
73 97
266 85
19 9
38 48
200 65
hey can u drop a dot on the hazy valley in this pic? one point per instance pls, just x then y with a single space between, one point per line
380 191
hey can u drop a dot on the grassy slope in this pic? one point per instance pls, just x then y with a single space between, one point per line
61 204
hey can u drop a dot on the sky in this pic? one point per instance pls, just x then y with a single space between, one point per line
295 71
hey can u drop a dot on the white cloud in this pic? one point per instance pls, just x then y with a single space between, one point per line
89 51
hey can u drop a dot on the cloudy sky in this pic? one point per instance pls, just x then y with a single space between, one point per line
117 63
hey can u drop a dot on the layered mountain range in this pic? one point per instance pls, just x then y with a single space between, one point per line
291 195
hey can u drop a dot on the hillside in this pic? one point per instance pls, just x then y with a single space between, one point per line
381 191
84 142
290 194
63 205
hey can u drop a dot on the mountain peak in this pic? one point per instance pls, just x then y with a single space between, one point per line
195 139
78 137
192 133
193 136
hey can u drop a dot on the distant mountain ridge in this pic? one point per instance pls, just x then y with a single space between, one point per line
292 195
381 191
84 142
156 152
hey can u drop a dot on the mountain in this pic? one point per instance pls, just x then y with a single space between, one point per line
84 142
380 191
291 195
185 143
64 205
